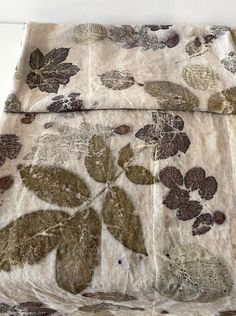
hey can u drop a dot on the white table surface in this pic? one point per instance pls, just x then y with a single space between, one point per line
100 11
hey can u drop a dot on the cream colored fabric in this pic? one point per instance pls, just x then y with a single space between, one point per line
118 167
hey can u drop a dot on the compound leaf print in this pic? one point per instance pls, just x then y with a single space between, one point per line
117 80
77 255
25 240
122 222
125 155
49 71
139 175
172 96
55 185
99 160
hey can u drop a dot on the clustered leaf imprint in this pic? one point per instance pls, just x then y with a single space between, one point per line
49 71
192 274
9 147
165 135
179 197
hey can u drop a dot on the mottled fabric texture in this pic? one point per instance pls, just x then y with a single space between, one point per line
118 168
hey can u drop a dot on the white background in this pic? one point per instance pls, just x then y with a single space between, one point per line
16 12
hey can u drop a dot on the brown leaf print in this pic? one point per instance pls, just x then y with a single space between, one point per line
165 135
228 313
189 210
110 296
122 129
49 71
178 198
193 178
219 217
202 224
9 147
6 183
117 80
106 307
62 103
27 309
170 177
28 118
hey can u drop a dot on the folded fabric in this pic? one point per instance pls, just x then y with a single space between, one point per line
118 172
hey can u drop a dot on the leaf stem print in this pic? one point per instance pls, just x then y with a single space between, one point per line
49 71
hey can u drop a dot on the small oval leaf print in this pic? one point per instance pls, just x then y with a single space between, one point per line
172 96
123 224
125 155
170 177
55 185
192 274
139 175
25 240
77 255
99 160
199 77
117 80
